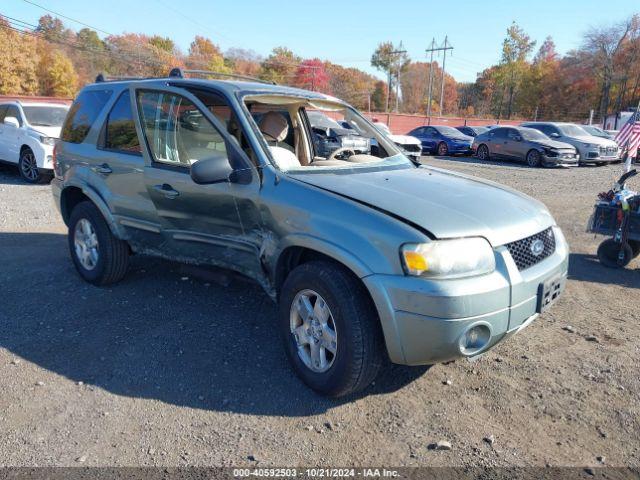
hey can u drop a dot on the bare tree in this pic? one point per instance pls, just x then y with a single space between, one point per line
604 43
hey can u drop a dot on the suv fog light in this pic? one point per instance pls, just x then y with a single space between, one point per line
474 339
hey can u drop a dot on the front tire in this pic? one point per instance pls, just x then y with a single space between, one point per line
534 160
99 256
28 167
330 329
483 153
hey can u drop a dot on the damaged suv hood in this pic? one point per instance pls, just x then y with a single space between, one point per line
446 204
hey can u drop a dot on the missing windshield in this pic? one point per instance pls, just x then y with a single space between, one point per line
309 134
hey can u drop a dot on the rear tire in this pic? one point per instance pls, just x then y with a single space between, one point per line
358 347
533 158
483 153
443 149
609 251
99 256
635 247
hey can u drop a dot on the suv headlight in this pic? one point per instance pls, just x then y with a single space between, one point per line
589 145
463 257
47 140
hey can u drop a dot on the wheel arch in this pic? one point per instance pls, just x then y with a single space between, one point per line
306 249
25 147
72 195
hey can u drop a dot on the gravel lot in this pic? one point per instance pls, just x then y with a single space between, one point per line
170 369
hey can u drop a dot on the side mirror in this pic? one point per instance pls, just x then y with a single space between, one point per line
13 121
518 138
216 169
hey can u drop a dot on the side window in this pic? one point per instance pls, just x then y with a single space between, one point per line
120 130
513 134
500 133
83 114
176 131
12 111
3 111
430 131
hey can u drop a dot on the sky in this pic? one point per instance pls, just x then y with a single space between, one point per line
344 32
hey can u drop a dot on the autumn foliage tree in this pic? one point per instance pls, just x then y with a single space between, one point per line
312 75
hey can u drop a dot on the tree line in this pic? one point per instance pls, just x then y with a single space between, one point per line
602 74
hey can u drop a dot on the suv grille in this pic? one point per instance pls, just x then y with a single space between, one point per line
523 252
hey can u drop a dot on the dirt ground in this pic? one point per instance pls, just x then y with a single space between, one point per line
168 369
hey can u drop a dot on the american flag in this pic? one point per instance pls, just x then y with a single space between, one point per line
629 135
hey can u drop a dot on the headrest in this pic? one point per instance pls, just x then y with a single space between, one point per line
274 125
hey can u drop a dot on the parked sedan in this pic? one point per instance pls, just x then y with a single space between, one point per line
471 131
443 140
591 149
524 144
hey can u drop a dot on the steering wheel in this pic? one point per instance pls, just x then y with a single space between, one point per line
341 151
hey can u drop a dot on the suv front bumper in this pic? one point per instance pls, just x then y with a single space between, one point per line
424 320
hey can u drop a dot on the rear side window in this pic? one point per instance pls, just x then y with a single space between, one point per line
3 111
120 131
83 113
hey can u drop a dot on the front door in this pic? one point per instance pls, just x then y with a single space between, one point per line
201 223
513 145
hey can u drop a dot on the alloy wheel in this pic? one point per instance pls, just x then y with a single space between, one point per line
533 159
85 242
29 166
314 331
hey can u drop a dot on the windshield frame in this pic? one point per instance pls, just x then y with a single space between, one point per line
28 111
395 160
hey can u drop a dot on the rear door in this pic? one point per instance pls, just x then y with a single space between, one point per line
497 140
201 223
12 136
118 168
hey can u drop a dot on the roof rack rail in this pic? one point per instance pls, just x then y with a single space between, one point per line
178 72
103 77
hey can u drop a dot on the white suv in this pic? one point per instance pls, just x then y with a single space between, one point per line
28 131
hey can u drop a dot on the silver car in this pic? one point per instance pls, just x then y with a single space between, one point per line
591 149
368 257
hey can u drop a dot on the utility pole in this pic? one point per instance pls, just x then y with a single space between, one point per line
535 115
591 117
431 50
398 52
444 61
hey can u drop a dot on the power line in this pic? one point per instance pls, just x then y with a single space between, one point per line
67 18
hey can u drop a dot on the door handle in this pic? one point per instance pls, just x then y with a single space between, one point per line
103 169
167 190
